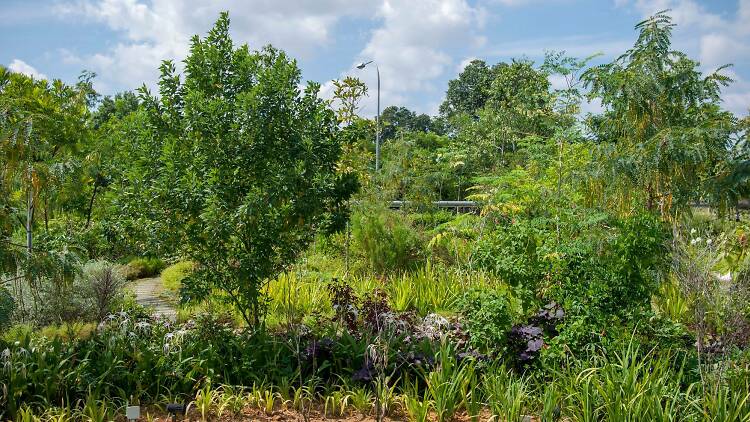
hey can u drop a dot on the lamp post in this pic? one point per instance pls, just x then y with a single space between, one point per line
377 117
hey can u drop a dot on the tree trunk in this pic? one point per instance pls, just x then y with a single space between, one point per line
91 206
29 218
46 216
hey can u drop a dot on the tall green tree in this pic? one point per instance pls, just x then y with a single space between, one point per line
100 165
397 120
244 166
46 126
43 126
470 91
519 111
732 182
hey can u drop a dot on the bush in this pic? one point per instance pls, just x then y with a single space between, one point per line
489 315
615 274
96 291
512 252
130 306
142 268
604 280
102 284
7 305
173 275
386 239
454 242
58 303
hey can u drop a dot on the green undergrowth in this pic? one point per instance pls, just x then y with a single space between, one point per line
426 290
151 363
143 268
173 275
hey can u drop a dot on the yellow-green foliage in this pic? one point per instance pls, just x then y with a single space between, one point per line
296 295
434 288
292 297
173 275
386 240
66 331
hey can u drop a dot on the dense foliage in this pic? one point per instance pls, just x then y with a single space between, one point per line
241 166
602 272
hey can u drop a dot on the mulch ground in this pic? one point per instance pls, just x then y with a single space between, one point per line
316 415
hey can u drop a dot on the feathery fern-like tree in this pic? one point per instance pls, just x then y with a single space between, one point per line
663 130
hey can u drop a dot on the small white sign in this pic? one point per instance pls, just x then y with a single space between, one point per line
133 412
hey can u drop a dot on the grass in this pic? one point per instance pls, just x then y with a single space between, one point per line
507 393
173 275
630 385
446 384
299 294
66 331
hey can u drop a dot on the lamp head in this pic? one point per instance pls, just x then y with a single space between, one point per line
176 409
363 64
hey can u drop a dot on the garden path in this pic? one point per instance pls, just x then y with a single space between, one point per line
149 292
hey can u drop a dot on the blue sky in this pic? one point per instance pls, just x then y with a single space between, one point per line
418 44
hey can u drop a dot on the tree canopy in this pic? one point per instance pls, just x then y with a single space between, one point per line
242 165
663 128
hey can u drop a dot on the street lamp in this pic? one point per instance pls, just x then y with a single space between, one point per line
377 117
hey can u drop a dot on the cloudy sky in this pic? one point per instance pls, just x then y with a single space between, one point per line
418 44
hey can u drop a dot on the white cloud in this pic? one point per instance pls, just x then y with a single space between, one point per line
575 46
413 41
416 43
694 20
683 12
594 106
161 29
558 81
717 49
19 66
738 101
743 16
412 47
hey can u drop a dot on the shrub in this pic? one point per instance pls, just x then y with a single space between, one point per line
7 305
489 315
512 252
102 284
173 275
386 239
143 267
719 304
63 302
453 242
96 290
130 306
605 276
526 341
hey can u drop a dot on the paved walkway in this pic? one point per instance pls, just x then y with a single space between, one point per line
149 293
